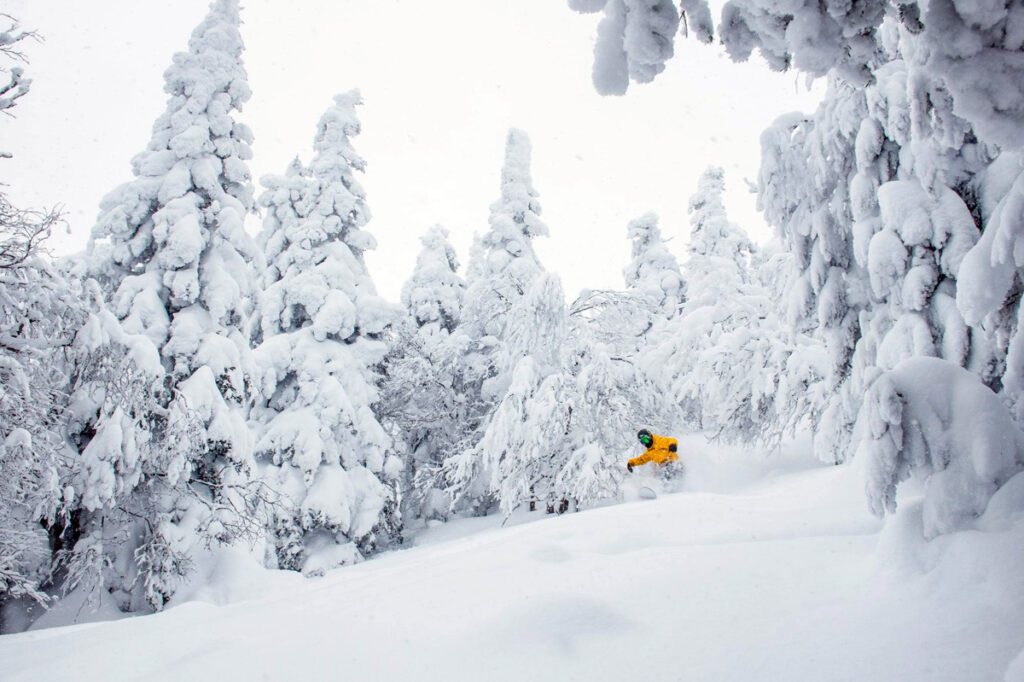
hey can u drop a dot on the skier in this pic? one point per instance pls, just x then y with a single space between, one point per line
660 449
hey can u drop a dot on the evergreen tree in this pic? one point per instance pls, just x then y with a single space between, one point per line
434 293
727 362
556 438
322 324
425 404
719 251
521 449
654 271
508 263
171 248
502 267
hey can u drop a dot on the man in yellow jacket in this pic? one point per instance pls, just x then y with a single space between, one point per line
660 449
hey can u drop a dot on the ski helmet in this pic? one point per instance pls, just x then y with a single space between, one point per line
645 438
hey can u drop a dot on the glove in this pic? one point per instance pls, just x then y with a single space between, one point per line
629 468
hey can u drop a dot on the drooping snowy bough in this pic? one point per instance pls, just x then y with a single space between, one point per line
932 418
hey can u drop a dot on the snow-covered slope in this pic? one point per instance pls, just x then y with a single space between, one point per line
786 577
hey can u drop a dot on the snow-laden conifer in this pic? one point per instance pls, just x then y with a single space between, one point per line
653 272
501 270
425 402
556 439
714 237
508 264
434 293
522 447
324 449
171 247
726 361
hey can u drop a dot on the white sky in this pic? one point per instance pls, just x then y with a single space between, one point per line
442 80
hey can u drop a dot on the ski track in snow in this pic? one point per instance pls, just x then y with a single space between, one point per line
783 579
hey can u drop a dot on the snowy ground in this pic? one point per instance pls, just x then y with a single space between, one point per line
751 572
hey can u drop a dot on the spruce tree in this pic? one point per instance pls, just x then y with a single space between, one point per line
502 267
434 293
322 324
508 263
653 273
172 250
425 403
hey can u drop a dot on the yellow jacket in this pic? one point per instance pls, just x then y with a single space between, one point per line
662 451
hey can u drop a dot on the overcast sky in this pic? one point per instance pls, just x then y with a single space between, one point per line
442 80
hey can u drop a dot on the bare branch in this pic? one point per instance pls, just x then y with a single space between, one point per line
22 231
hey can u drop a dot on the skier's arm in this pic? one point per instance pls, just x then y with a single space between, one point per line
639 461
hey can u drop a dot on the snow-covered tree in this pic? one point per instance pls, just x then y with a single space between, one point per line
171 248
322 322
653 272
125 469
425 402
557 437
612 401
507 264
12 40
536 325
433 294
502 268
718 248
38 314
518 454
726 361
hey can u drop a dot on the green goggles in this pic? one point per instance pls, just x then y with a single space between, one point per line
646 440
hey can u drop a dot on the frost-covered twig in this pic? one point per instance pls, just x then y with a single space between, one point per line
23 231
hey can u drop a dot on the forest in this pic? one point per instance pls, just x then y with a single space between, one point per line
217 369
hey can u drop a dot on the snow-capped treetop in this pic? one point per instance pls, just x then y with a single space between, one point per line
287 199
332 142
178 227
517 213
477 253
314 239
433 293
333 166
713 233
654 271
206 84
501 274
